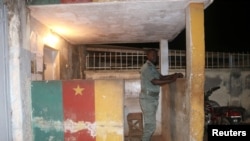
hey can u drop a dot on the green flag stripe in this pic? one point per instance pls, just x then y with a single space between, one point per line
47 112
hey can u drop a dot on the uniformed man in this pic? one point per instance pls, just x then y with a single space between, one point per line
151 80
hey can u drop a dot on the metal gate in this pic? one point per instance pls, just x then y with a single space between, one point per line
5 126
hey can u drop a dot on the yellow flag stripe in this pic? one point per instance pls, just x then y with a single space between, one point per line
109 110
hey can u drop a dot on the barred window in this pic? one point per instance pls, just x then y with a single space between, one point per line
114 59
126 59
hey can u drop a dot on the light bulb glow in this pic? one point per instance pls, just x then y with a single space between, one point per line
50 40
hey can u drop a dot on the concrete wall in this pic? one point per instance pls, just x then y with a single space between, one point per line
234 87
212 78
62 66
25 42
5 125
19 70
132 89
175 111
131 95
78 110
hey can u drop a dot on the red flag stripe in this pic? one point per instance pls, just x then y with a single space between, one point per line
79 110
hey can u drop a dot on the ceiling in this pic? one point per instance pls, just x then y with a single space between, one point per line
120 21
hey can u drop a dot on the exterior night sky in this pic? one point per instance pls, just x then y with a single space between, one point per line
227 29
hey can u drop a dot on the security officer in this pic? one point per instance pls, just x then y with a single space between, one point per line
151 80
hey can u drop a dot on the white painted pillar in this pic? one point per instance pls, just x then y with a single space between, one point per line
164 63
164 68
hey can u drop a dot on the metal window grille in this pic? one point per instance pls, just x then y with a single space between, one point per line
114 59
120 59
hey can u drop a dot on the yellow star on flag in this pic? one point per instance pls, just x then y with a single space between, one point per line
78 90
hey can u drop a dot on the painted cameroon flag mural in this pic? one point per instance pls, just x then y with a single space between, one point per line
77 110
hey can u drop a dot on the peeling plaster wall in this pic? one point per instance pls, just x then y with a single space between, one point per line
131 95
234 87
212 78
21 53
19 58
175 111
84 110
132 89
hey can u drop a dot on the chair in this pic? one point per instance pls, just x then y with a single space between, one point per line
135 125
